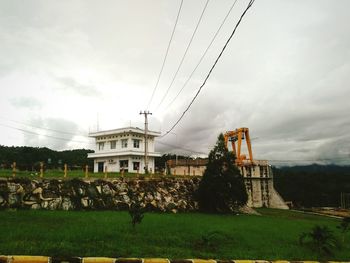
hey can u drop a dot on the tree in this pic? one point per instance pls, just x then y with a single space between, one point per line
222 188
136 212
320 239
344 227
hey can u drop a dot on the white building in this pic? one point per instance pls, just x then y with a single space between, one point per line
123 149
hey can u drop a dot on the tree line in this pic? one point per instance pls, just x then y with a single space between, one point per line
312 185
29 158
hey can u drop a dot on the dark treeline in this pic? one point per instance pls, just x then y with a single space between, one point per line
312 185
29 158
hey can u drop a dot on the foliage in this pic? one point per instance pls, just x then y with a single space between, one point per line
321 239
136 212
344 226
29 158
222 187
312 185
160 161
211 241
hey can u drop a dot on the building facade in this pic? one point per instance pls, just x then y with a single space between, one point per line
257 176
123 150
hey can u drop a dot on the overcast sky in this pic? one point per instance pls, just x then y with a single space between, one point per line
68 65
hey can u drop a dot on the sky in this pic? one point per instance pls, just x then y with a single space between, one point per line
68 68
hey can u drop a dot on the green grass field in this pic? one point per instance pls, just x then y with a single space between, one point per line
272 236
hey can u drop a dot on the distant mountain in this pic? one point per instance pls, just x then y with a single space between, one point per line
312 185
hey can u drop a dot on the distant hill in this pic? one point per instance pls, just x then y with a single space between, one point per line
312 185
29 158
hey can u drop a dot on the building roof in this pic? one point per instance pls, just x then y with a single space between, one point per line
122 153
124 130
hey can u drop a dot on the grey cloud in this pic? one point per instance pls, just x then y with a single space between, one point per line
27 102
51 124
70 84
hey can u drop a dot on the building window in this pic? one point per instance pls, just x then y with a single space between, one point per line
136 166
101 145
113 144
124 165
136 143
125 143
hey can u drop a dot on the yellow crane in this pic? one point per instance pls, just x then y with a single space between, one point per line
237 136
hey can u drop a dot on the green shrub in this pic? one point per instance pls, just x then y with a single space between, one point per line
320 239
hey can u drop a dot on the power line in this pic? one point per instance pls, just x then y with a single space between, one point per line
184 55
213 66
48 129
166 55
181 148
45 135
204 54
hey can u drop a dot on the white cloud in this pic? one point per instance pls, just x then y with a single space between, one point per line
285 74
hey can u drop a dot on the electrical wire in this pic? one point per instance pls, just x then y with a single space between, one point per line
211 69
48 129
45 135
184 55
181 148
204 54
166 55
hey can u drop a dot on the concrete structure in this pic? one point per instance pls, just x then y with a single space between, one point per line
187 167
123 150
258 179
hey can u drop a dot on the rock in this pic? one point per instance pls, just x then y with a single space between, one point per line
14 200
54 204
2 201
36 206
85 202
38 190
106 190
126 199
247 210
12 187
67 204
171 206
44 204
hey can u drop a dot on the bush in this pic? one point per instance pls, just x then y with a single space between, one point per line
222 188
136 212
320 239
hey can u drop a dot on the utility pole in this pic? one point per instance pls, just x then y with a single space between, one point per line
146 113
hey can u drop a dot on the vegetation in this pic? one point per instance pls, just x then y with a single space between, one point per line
272 236
29 158
344 227
312 185
222 187
136 213
320 239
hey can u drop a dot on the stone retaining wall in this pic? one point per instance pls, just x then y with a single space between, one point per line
40 259
160 194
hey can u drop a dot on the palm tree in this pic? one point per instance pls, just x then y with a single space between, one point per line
344 227
321 239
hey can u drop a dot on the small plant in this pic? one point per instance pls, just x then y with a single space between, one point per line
136 212
320 239
211 241
344 227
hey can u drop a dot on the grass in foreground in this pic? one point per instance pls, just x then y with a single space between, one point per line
192 235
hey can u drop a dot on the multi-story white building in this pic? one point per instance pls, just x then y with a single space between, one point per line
123 149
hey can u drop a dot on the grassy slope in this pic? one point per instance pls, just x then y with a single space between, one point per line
108 233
